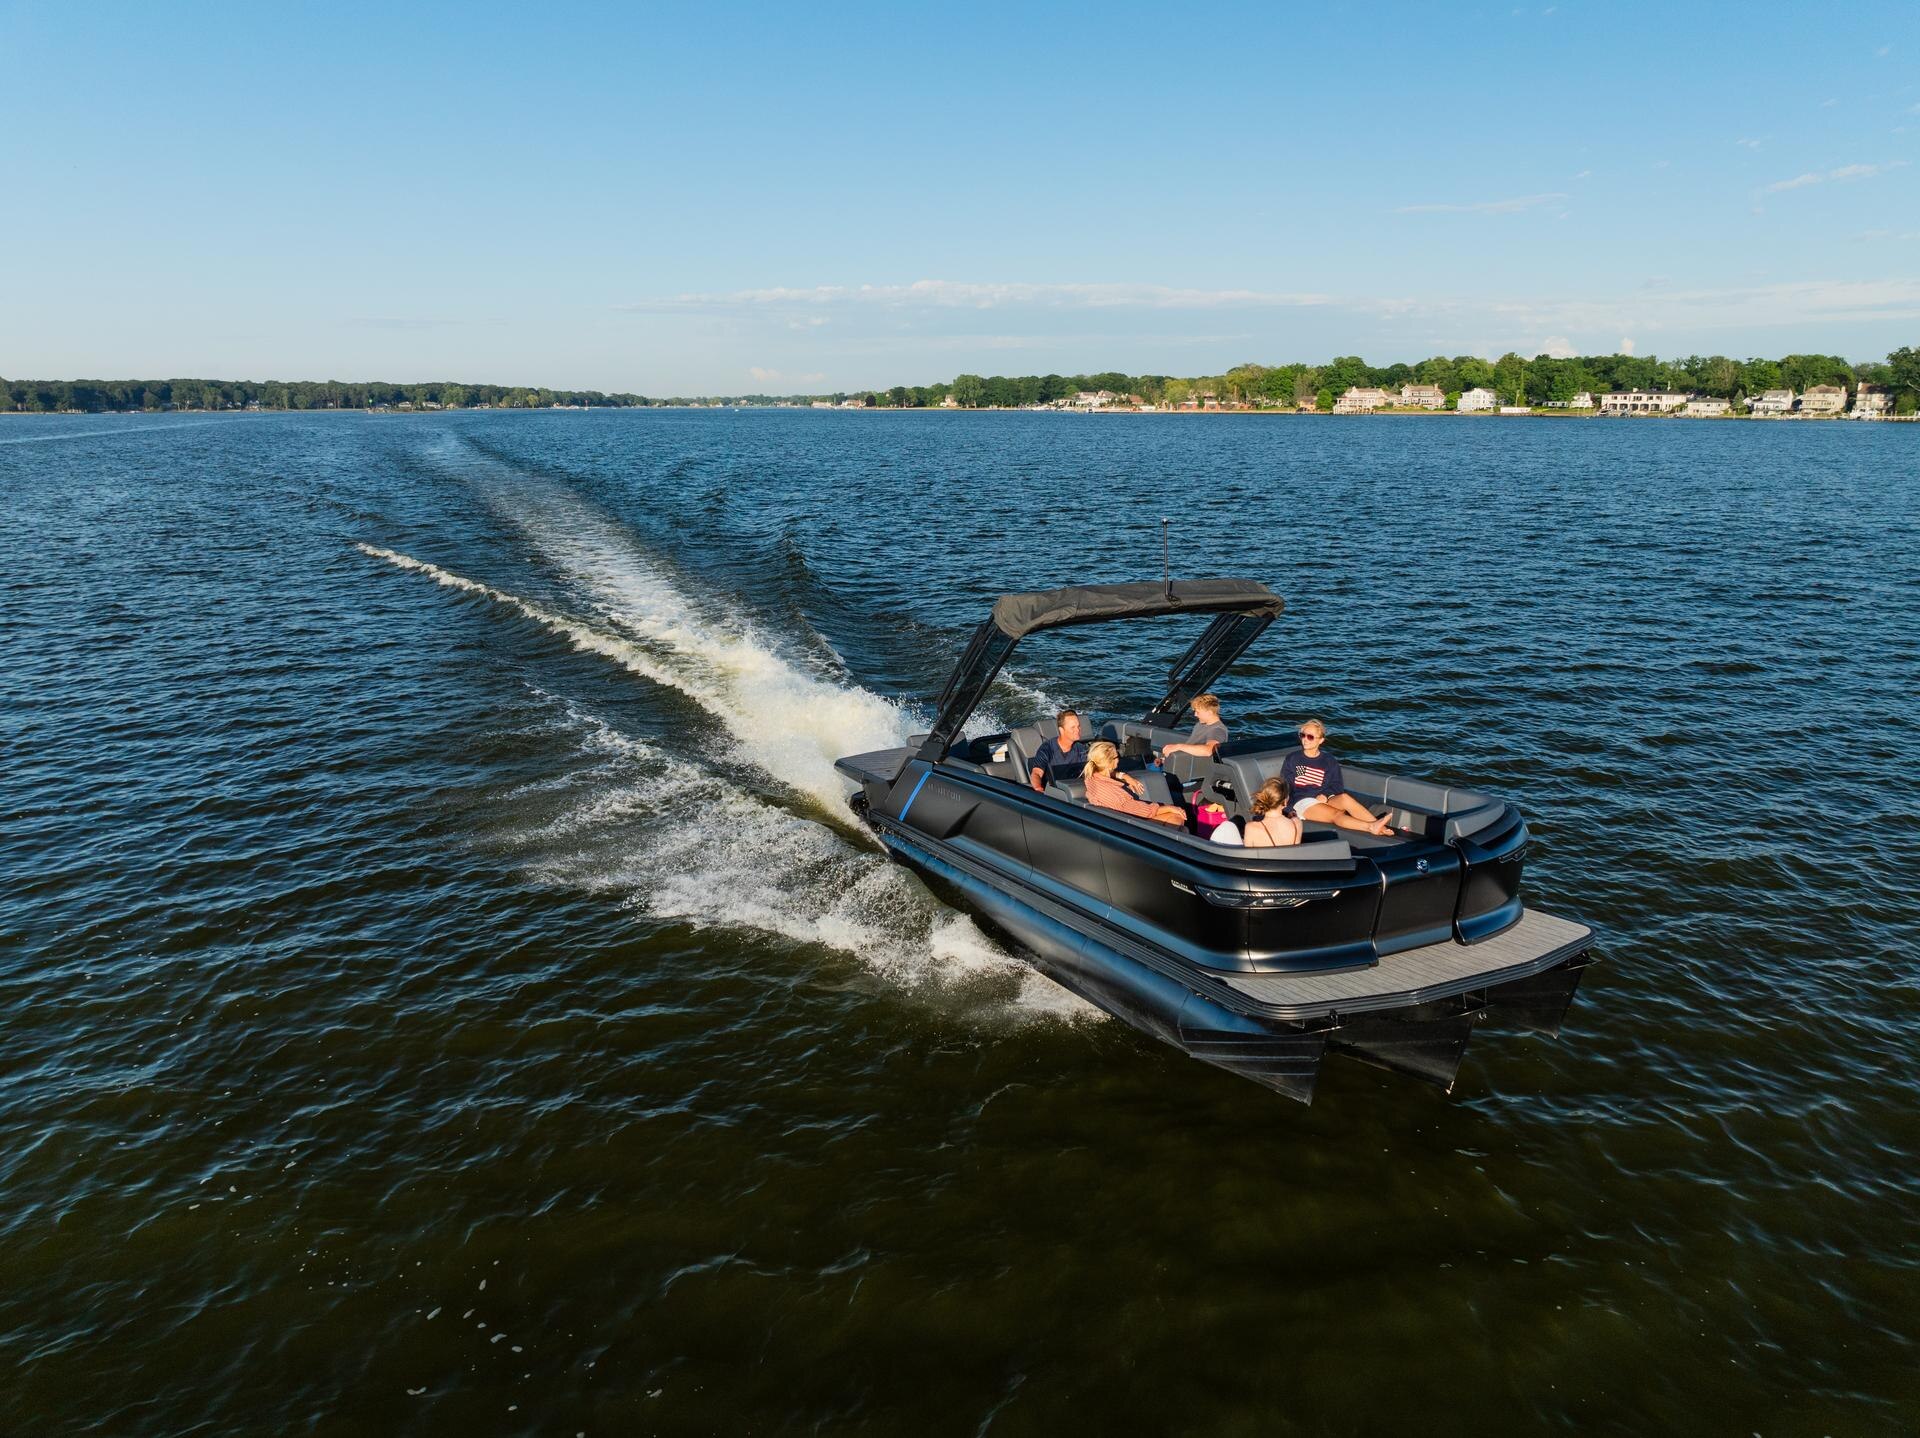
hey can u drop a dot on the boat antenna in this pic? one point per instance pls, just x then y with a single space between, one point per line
1166 557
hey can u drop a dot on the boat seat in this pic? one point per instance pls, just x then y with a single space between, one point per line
1121 730
1025 741
1448 814
1242 766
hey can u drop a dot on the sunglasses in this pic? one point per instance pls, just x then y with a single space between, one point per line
1309 734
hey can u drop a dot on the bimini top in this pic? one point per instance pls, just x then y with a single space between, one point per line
1242 608
1018 615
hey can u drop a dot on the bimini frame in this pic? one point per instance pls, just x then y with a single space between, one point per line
1244 608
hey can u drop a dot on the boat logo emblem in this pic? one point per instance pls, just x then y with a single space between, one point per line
1421 865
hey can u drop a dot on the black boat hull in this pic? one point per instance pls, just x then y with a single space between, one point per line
1206 1018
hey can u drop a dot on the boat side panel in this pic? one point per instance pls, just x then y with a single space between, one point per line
962 816
1332 931
1419 895
1149 1001
1490 900
1168 910
1283 1057
1066 853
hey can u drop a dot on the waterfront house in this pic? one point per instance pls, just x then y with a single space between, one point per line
1092 399
1477 399
1515 409
1707 408
947 401
1871 403
1361 400
1824 399
1422 396
1774 401
1642 401
1583 400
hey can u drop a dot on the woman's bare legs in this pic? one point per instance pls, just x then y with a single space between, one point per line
1348 813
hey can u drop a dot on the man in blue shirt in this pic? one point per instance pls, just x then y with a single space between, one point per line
1068 751
1317 789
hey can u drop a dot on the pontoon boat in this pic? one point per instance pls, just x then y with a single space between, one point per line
1260 961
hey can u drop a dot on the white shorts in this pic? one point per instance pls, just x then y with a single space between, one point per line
1300 806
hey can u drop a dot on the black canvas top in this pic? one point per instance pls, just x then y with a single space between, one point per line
1018 615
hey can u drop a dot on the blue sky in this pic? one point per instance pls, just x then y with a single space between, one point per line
693 199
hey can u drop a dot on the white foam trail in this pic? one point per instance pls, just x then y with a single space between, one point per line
581 636
716 856
110 432
791 723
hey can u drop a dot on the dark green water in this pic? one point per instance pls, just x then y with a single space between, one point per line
443 992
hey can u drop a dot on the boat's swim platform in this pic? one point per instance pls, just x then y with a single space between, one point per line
1416 976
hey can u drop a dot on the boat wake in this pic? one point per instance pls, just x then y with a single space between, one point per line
684 842
786 723
791 711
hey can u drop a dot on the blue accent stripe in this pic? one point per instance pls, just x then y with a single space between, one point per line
914 795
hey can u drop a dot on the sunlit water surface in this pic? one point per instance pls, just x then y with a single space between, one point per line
444 991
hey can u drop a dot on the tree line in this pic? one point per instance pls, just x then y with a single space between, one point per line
1542 380
93 396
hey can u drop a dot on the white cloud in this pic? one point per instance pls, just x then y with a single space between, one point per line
1748 143
1583 174
1828 104
1626 347
1827 303
760 374
951 294
1643 308
1484 207
1842 174
1558 346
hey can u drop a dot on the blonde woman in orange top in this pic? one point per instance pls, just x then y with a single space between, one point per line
1108 788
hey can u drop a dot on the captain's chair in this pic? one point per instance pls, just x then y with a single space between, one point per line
1023 743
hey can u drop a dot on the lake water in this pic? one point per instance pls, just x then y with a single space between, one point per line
444 991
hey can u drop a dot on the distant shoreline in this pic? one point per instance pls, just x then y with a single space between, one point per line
390 413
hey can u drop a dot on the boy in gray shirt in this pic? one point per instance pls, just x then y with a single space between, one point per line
1208 734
